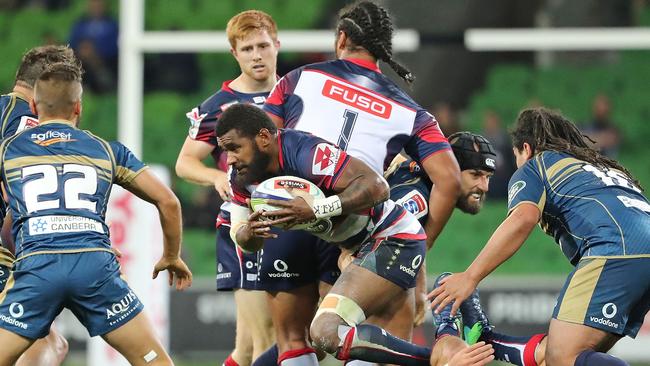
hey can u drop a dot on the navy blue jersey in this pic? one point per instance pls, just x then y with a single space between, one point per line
322 163
203 121
410 187
58 179
16 115
351 103
589 211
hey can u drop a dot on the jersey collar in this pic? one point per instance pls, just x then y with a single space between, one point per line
62 121
364 63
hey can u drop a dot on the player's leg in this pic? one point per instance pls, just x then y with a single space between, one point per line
137 342
599 303
378 282
13 345
48 351
237 271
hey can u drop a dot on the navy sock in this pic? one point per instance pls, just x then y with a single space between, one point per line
593 358
370 343
513 349
268 358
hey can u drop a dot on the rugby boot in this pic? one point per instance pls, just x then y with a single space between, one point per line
474 318
445 323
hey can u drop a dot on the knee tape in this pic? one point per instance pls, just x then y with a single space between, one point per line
342 306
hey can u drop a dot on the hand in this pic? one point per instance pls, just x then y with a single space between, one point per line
291 212
222 187
177 267
255 228
345 258
454 288
478 354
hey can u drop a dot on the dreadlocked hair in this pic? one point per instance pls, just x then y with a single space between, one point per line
544 129
368 25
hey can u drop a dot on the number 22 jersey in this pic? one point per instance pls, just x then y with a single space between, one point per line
58 180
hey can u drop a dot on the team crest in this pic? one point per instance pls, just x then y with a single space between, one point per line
325 158
515 189
415 203
195 121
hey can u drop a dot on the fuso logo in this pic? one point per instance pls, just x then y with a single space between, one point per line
356 98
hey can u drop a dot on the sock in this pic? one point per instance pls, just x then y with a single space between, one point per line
268 358
298 357
370 343
230 361
593 358
512 349
446 329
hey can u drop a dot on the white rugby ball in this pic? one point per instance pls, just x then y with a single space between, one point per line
285 188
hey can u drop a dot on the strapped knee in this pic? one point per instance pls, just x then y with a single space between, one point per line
344 307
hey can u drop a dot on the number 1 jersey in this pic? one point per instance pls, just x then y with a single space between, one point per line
352 104
58 180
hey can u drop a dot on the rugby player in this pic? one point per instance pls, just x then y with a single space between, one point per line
595 211
350 102
390 241
57 179
16 116
253 37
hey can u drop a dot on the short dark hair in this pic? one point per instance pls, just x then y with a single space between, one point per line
61 71
36 60
246 119
368 25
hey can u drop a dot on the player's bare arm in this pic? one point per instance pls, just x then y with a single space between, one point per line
149 188
505 242
358 188
444 172
190 166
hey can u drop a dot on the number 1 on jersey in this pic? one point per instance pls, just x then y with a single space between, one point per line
350 118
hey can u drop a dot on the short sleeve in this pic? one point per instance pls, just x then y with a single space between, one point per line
321 162
526 185
127 166
427 138
281 102
202 125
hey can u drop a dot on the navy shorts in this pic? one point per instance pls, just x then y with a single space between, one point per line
4 275
296 258
89 284
611 294
397 260
235 269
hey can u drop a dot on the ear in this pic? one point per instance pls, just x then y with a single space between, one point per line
341 40
233 52
77 107
264 139
32 106
528 150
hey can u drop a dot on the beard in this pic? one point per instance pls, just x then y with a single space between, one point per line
256 170
469 204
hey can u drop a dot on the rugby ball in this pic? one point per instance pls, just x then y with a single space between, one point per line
285 188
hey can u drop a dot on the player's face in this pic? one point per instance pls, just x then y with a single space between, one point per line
473 187
257 55
250 163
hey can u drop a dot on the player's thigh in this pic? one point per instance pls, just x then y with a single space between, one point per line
13 345
566 341
253 312
48 351
399 323
138 343
292 312
601 294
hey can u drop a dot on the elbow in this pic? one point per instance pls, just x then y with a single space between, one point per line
380 189
169 203
180 168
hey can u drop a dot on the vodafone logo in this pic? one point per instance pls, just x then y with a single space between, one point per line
609 310
356 98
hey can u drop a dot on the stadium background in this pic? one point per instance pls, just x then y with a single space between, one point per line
468 90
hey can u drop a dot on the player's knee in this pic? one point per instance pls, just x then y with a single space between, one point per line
324 332
61 347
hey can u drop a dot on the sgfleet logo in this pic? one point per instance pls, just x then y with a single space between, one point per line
356 98
51 137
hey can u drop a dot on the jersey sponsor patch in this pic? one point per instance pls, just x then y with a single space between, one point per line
325 158
51 137
52 224
356 98
515 189
415 203
27 122
195 121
